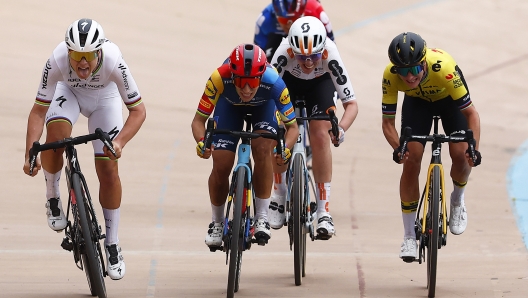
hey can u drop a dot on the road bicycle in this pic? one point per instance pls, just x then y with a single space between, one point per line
299 206
431 225
82 236
238 225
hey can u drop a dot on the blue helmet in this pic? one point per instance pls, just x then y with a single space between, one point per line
291 9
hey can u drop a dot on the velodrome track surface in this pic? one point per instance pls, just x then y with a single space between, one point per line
172 47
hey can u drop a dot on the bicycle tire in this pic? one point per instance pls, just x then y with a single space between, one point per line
93 264
297 199
432 247
235 258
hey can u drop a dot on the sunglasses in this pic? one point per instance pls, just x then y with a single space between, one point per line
241 82
414 70
78 56
312 57
285 21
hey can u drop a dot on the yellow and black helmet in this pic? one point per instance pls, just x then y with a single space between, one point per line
407 49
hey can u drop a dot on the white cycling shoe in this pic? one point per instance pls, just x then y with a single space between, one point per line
213 239
409 250
115 265
325 227
57 221
262 231
276 214
457 219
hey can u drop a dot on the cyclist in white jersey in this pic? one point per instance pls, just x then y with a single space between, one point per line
311 67
86 74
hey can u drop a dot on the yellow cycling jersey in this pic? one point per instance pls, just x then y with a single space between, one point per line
441 80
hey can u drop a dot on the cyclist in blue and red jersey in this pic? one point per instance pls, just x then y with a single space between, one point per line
244 84
274 23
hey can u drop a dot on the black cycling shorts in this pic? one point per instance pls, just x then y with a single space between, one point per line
318 93
418 113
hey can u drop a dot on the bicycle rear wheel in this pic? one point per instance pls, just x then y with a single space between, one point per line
237 234
299 236
91 256
434 220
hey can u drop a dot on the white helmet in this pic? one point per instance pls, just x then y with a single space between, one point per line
307 36
85 35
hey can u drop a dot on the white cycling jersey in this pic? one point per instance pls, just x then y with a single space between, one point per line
284 60
99 97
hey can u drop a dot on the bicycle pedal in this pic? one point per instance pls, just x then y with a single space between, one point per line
323 237
215 248
260 240
66 244
409 259
313 207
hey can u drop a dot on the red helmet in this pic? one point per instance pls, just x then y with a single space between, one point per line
247 60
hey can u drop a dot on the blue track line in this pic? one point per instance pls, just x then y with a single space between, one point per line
384 16
151 287
518 189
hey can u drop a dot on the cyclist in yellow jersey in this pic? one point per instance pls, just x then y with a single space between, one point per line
433 85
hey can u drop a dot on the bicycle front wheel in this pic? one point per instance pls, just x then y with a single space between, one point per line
91 258
237 234
434 220
299 236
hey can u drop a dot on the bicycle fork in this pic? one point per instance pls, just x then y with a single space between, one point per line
422 229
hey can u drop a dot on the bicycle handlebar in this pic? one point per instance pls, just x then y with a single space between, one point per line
329 117
211 130
463 136
37 147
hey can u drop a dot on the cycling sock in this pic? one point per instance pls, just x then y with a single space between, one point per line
261 208
218 212
457 196
409 216
111 217
279 184
408 224
52 184
323 194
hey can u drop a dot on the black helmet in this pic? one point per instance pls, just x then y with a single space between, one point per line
407 49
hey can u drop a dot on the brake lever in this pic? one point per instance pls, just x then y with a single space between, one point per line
107 141
335 128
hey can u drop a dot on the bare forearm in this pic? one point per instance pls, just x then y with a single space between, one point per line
292 133
390 133
198 127
473 120
35 128
132 125
350 114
